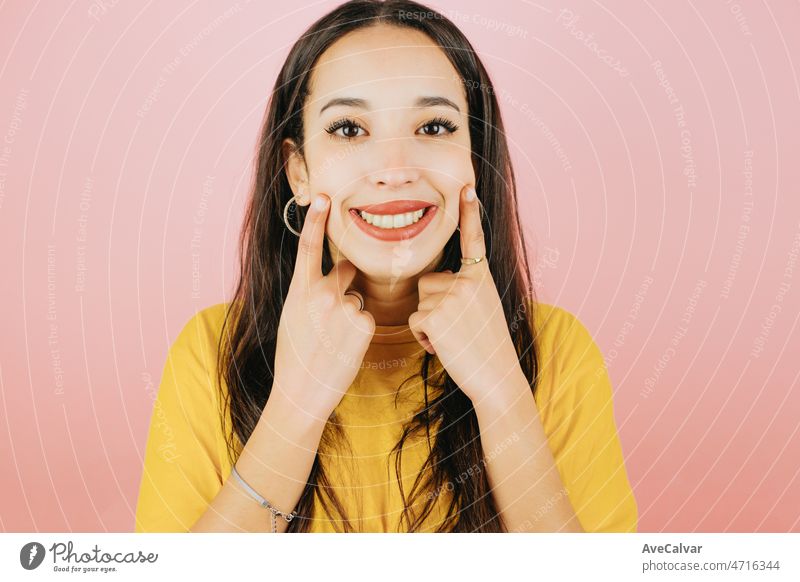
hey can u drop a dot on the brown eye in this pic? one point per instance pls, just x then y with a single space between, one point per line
431 129
438 127
344 129
350 130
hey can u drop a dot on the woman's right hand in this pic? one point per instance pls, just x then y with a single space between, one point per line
322 335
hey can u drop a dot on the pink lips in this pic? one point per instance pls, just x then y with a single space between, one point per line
397 207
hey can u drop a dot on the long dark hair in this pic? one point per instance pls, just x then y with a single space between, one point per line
267 257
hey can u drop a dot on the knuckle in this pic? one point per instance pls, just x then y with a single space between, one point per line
435 318
350 307
368 321
326 297
462 287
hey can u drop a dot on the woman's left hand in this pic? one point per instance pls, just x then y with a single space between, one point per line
460 317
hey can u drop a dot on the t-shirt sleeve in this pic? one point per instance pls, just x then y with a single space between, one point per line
184 455
578 416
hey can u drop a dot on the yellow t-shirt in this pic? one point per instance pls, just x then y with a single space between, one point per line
186 461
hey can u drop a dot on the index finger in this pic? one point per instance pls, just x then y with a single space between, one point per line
309 248
473 244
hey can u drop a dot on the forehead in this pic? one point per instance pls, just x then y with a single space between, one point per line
387 65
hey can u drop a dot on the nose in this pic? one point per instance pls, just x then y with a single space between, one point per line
393 166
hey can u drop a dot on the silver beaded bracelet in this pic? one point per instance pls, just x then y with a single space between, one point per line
274 511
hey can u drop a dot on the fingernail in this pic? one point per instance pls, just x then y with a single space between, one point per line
319 202
471 194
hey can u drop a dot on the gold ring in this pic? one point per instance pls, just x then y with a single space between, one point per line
472 261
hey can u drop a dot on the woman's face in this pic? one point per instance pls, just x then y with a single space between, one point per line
386 121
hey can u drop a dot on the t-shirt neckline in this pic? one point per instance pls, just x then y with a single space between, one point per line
393 334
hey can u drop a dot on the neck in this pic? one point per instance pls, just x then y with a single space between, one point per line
391 301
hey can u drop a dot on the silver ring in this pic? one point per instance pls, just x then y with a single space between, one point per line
357 295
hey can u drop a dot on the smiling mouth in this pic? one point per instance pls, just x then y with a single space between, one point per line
391 221
395 226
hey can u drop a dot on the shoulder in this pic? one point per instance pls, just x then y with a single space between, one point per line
574 396
552 320
571 367
204 325
548 316
563 339
190 371
198 339
186 454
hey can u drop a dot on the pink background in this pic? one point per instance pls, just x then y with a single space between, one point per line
126 136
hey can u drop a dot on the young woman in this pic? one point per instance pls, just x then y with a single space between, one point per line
389 369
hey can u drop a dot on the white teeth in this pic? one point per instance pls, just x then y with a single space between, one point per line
392 220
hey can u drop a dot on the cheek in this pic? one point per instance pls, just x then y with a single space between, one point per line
450 170
326 172
451 166
334 169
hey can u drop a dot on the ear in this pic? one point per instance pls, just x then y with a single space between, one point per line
296 171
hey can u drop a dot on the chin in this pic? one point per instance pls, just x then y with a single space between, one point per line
391 268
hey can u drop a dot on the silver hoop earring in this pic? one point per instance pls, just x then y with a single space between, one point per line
286 217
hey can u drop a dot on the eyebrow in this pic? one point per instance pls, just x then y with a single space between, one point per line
363 104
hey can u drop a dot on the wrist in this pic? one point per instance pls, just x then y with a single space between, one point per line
507 397
288 417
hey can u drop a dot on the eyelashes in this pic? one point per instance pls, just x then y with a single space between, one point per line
350 125
444 122
340 124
